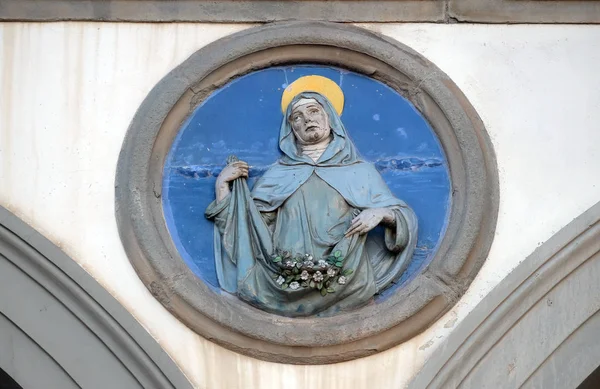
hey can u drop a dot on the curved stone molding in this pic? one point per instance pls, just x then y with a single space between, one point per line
60 329
545 314
241 327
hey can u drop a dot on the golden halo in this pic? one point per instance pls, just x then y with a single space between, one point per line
319 84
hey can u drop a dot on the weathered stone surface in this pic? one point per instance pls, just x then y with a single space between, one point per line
437 11
224 11
524 11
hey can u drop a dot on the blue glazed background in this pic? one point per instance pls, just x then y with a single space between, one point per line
243 118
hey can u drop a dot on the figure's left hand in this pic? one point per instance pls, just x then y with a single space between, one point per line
369 219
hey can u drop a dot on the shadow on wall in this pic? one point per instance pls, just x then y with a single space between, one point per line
593 380
6 381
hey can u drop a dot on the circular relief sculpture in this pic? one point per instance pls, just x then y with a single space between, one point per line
307 192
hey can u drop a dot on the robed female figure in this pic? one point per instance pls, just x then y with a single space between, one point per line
302 242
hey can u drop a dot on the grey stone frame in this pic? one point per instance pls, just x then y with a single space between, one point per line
59 328
250 11
230 322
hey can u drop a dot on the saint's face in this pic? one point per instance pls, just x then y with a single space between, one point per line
310 123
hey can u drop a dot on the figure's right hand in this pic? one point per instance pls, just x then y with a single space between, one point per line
232 171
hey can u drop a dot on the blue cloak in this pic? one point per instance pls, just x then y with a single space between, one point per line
288 201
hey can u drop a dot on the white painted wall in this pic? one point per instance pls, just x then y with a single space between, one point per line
69 90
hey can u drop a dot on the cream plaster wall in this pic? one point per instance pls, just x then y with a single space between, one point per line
69 90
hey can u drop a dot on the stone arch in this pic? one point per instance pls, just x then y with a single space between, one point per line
538 328
60 329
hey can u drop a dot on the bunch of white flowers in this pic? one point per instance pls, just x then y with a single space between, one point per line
302 271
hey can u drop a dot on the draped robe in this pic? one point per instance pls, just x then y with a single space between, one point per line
303 206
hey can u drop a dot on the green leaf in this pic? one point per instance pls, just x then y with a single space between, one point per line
297 277
323 292
287 273
338 264
326 279
347 272
284 286
304 284
296 270
337 254
277 259
289 278
312 284
330 290
320 285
